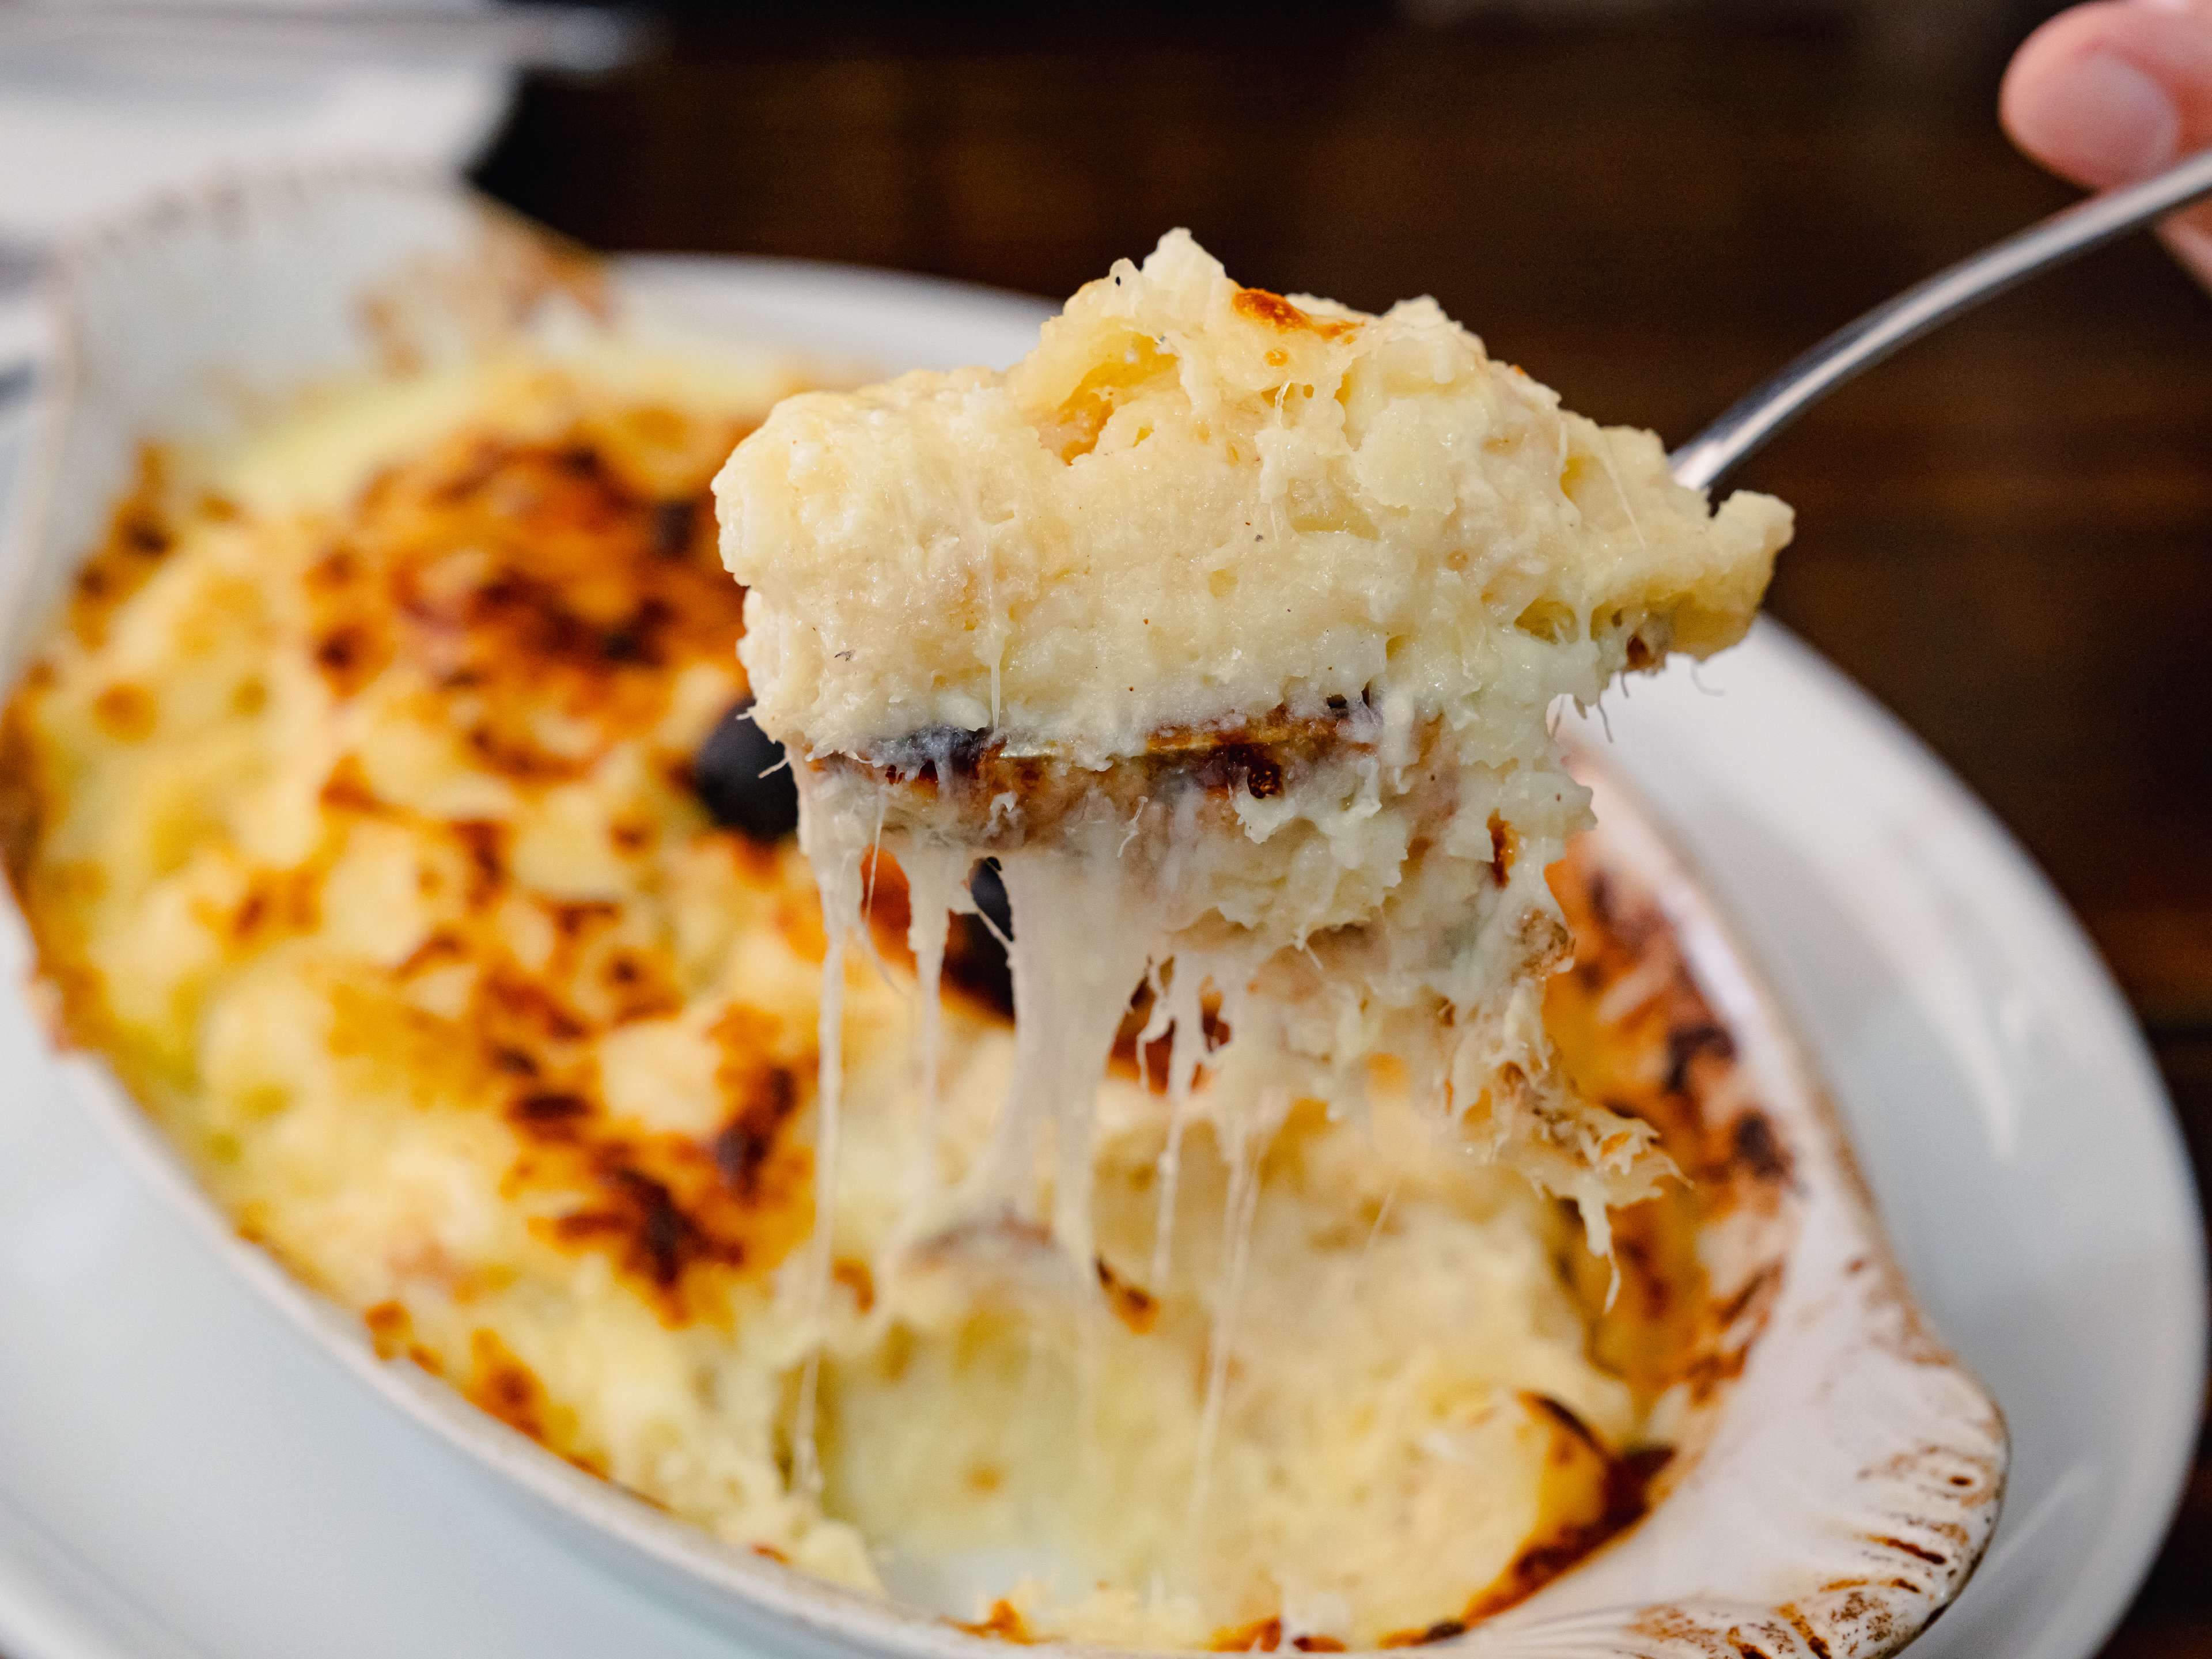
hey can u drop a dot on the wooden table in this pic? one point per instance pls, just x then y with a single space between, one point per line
2005 535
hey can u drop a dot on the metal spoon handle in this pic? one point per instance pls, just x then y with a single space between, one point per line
1751 421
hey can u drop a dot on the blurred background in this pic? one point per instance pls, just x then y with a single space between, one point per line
2005 535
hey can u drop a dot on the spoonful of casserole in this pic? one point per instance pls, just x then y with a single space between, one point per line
1231 626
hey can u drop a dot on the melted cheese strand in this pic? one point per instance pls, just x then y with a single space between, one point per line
838 873
933 886
1240 1210
1180 1009
1078 953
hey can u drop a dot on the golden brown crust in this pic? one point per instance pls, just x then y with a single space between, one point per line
535 577
1262 306
529 575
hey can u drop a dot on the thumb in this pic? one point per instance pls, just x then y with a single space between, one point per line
2109 93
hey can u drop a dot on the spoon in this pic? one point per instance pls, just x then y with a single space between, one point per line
1858 346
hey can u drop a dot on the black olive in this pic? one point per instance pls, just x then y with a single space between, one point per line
988 889
740 777
975 961
674 523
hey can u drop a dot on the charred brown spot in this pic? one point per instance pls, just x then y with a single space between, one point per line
856 1277
347 789
1262 1636
441 946
140 531
1136 1308
1443 1630
278 899
637 640
549 1109
144 534
1316 1644
1760 1286
1710 1370
1758 1150
767 1098
499 1382
126 712
579 460
1597 897
577 917
1686 1042
515 1002
485 840
1003 1623
248 916
23 799
1816 1643
390 1330
1906 1546
1565 1418
339 568
590 1226
665 1238
349 656
1504 848
1262 306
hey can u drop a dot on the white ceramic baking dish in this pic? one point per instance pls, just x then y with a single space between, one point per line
1832 1500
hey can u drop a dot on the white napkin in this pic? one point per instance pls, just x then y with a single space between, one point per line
88 135
86 141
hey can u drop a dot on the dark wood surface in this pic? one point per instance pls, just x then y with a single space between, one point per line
2006 534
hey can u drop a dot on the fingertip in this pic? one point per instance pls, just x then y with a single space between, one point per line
2072 101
